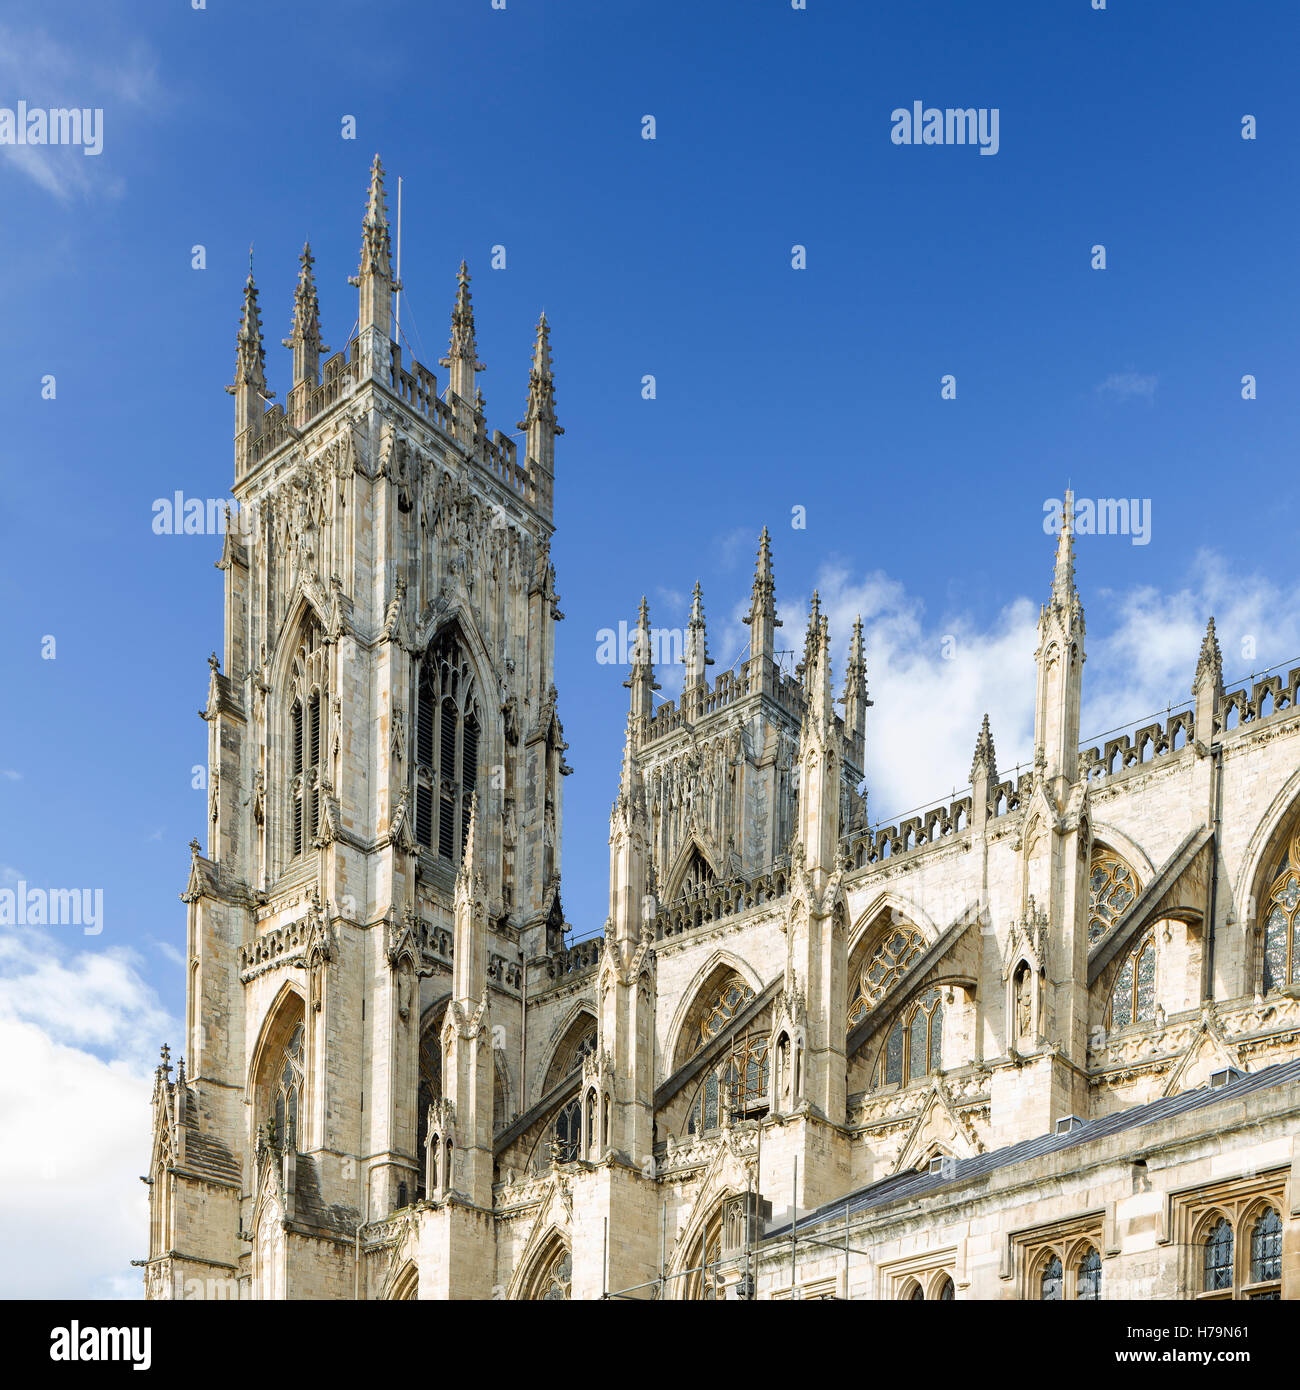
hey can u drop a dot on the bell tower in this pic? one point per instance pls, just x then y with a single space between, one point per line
386 760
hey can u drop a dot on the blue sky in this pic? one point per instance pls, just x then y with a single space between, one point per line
775 388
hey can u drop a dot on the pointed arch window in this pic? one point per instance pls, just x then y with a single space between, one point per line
1088 1276
553 1282
896 952
914 1045
305 736
1133 997
1282 923
698 877
1112 890
1051 1283
567 1143
429 1090
1266 1250
1218 1257
448 726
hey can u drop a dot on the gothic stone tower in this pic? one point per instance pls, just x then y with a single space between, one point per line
386 765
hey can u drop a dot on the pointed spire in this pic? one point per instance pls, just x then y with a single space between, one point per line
374 276
541 382
812 633
462 356
985 763
855 673
376 239
763 595
249 385
856 703
538 423
697 642
471 841
762 620
641 681
469 945
305 336
1063 590
1209 665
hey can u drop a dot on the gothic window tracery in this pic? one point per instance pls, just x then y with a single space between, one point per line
1112 890
1051 1283
728 1002
1133 997
1282 923
897 951
447 734
914 1045
567 1144
308 699
281 1073
1233 1236
1088 1276
1266 1252
553 1282
698 877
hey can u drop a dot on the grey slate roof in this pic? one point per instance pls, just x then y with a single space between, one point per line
911 1185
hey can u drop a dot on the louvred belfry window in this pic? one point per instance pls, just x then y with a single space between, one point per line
447 734
305 736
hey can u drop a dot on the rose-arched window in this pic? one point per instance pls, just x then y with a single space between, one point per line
897 950
447 732
1112 889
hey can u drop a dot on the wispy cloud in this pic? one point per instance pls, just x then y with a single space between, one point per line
46 72
10 775
1127 386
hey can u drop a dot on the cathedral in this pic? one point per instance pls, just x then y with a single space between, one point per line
1039 1042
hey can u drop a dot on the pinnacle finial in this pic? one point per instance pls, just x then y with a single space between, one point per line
855 673
305 336
1063 591
1209 665
697 656
250 352
985 762
462 356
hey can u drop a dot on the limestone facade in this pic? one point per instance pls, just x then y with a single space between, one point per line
1039 1041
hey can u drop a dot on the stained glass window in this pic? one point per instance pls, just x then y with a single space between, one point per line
914 1047
898 950
1051 1283
1266 1248
1121 1005
1112 889
729 1002
1089 1275
557 1280
894 1054
1218 1257
1133 999
1282 924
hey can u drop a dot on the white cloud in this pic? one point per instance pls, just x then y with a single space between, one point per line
78 1031
1125 386
1141 652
